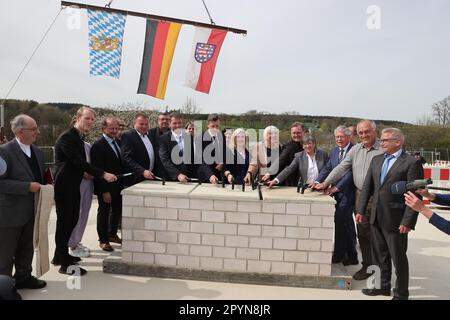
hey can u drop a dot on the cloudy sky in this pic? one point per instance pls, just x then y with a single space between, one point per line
316 57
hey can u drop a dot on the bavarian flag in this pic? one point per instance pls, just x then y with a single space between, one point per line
160 41
105 42
203 59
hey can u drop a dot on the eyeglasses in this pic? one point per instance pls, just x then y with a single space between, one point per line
386 140
31 129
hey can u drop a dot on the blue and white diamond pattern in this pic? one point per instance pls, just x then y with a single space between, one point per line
108 25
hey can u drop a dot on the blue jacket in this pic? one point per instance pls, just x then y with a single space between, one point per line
346 194
436 220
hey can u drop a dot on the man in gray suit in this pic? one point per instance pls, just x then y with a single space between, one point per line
390 219
20 181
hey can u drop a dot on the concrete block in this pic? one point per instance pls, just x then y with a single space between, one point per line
234 264
258 219
127 212
211 263
271 255
189 238
295 256
270 231
236 241
182 226
246 253
142 235
188 262
167 237
327 246
284 220
258 266
274 207
287 244
146 258
248 230
320 209
165 213
249 206
308 245
213 239
297 232
221 252
154 247
201 251
132 223
189 215
128 235
134 246
236 217
153 224
213 216
283 267
307 269
202 227
165 259
178 203
225 205
201 204
310 221
127 256
265 243
144 212
155 202
325 269
133 201
178 249
298 208
321 233
327 222
319 257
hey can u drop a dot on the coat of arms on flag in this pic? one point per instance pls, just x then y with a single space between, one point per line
204 52
105 42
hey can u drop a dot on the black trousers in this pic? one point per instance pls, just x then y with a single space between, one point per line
16 249
364 238
387 247
108 216
345 234
67 215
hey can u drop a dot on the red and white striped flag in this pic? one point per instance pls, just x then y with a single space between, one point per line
205 51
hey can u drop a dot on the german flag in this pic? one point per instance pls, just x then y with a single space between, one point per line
160 41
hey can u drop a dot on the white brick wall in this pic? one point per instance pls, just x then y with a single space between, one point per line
127 211
298 208
235 264
307 268
213 240
261 243
310 221
221 252
325 270
132 223
179 203
298 233
143 212
182 226
327 222
321 233
322 209
165 259
295 256
127 256
271 207
201 204
154 247
244 206
188 262
308 245
178 249
319 257
141 235
247 230
236 217
258 266
225 228
245 253
190 215
152 224
272 255
281 243
128 234
269 231
211 263
225 205
166 236
147 258
236 241
213 216
202 227
155 202
190 238
257 218
327 246
133 246
132 201
164 213
283 267
202 251
284 220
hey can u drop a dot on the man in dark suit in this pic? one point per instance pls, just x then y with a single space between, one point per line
176 150
390 219
71 166
20 179
213 151
344 194
156 133
105 154
290 149
138 152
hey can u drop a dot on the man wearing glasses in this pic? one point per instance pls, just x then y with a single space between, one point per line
390 219
21 178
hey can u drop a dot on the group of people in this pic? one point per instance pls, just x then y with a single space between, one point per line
358 175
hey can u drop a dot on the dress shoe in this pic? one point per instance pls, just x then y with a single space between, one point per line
350 262
106 247
376 292
30 283
398 298
72 271
72 260
114 238
362 274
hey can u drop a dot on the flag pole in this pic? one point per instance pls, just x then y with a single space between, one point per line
151 16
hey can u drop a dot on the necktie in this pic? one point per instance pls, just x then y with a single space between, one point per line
341 155
116 148
384 168
180 144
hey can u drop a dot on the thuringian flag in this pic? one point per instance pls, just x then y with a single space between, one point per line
160 41
203 59
105 42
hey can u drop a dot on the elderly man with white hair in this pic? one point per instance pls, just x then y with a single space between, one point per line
21 176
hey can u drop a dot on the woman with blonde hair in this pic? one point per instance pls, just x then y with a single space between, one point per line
238 157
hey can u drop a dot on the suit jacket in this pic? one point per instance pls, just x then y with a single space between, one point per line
155 134
389 210
346 194
16 201
238 166
135 156
288 152
104 157
261 163
207 169
71 162
168 146
300 165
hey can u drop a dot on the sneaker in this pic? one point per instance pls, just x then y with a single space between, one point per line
79 252
84 248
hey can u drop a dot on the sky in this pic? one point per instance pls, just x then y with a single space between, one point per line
314 57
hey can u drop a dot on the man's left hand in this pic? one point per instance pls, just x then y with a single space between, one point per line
404 229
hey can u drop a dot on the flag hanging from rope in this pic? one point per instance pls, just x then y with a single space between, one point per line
202 63
160 41
105 42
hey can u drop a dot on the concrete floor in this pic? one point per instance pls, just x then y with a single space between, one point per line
429 259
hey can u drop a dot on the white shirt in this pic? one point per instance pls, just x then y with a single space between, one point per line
179 139
25 148
149 147
313 171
